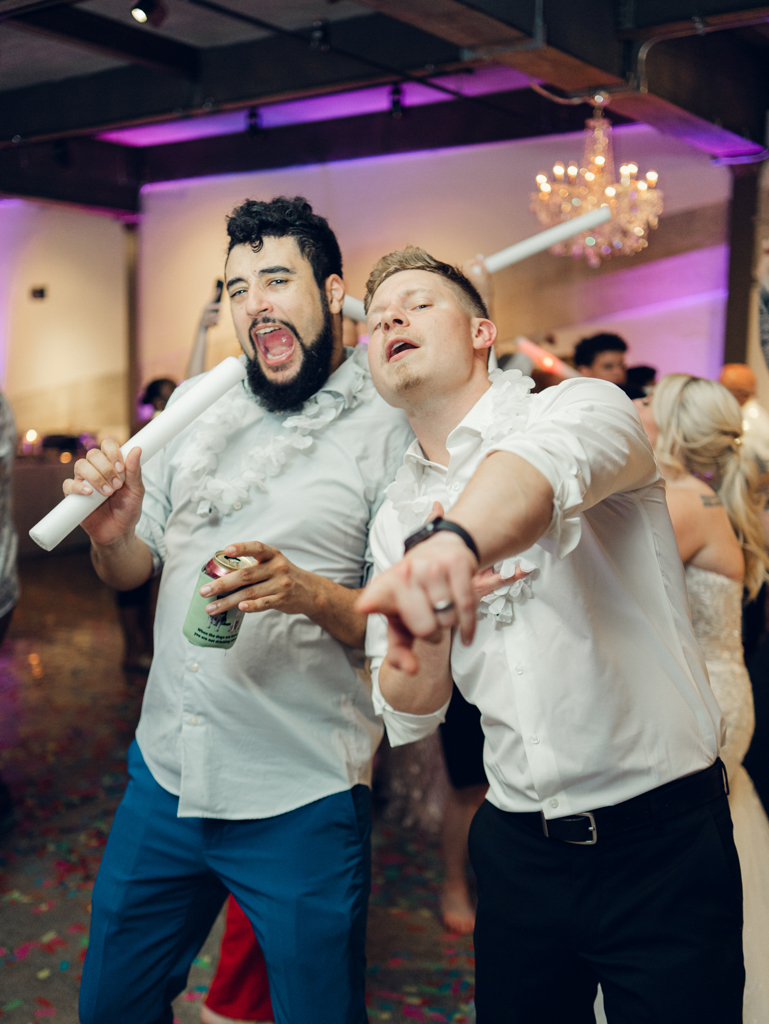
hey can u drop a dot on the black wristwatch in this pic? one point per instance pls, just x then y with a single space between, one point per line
426 531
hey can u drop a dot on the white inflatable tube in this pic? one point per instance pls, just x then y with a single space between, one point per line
515 253
70 512
353 308
544 239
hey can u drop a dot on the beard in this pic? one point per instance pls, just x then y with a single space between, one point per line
312 374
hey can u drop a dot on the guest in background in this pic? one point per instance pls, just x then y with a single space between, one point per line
642 377
208 318
9 583
602 356
696 428
741 381
157 393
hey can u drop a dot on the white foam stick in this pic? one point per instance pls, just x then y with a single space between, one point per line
353 308
70 512
515 253
544 239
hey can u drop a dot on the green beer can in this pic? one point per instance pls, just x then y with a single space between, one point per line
206 630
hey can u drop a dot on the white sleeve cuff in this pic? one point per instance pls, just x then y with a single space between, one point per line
403 728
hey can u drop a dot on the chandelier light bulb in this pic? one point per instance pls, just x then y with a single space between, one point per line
558 170
589 176
546 187
152 11
642 186
600 160
541 179
611 191
572 169
633 168
31 435
651 177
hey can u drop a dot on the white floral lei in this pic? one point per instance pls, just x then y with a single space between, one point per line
508 393
346 388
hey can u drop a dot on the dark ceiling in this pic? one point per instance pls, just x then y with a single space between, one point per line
70 71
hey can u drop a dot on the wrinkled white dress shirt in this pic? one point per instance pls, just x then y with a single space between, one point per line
591 686
282 718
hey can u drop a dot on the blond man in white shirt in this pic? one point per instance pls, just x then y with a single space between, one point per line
603 852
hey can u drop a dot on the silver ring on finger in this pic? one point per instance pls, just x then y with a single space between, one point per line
443 606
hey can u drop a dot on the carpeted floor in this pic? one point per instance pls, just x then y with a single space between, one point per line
67 715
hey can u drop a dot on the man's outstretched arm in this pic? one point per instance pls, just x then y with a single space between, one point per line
584 444
506 507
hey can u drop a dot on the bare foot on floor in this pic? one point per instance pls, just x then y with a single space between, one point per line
209 1016
456 908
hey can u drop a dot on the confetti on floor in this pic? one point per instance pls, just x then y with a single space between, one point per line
67 715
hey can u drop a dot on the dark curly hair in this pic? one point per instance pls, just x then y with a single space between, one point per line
254 220
587 349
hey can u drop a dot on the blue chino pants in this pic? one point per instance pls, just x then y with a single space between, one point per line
302 878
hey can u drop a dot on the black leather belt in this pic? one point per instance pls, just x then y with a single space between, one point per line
666 801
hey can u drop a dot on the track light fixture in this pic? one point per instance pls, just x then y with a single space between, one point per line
151 11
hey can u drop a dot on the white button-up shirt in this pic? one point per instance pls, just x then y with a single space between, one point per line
282 718
591 686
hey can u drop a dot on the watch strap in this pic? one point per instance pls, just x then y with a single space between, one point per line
436 525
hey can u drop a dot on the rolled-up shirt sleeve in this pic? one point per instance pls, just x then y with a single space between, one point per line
386 545
586 439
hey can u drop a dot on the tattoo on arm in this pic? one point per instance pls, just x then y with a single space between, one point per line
711 500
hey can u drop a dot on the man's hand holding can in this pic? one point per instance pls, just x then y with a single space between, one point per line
271 582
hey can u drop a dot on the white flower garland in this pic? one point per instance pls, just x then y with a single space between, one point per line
346 388
508 393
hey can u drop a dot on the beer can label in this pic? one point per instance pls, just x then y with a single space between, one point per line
206 630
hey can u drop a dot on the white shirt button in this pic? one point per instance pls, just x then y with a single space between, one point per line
518 670
535 738
237 505
194 720
554 802
194 666
456 486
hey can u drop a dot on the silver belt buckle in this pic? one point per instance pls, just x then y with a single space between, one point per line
578 842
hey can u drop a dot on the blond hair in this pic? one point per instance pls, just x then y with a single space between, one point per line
413 258
700 432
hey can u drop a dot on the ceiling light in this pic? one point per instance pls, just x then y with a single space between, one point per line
635 205
151 11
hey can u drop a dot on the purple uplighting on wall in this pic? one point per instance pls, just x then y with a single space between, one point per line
322 108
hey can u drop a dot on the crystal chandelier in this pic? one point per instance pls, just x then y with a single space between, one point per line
635 203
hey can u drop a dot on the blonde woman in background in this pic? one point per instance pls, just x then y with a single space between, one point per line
695 426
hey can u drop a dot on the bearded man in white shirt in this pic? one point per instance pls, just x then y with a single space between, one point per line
251 767
604 852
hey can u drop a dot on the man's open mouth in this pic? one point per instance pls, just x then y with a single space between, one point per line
398 347
275 342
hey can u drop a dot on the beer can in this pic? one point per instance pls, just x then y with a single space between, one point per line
221 630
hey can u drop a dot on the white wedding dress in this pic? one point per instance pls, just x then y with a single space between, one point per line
716 607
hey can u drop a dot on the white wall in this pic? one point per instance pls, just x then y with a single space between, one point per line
66 355
455 203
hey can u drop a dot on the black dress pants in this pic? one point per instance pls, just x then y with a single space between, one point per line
652 914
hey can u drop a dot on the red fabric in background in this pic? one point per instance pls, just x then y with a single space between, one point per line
240 989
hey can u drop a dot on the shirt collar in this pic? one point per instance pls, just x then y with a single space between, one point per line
475 423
